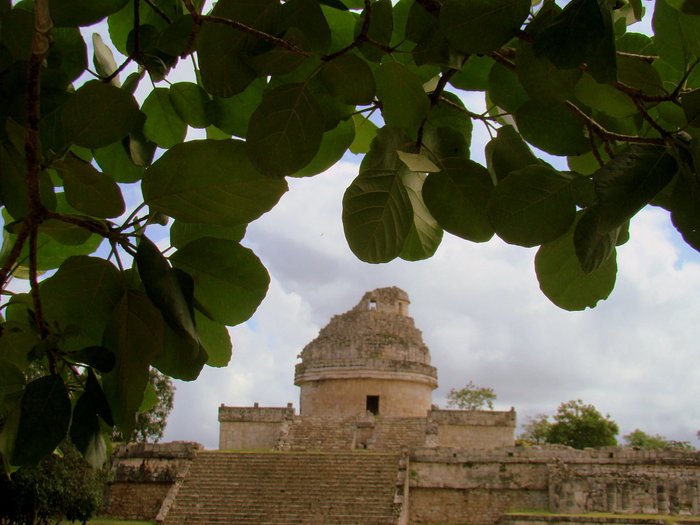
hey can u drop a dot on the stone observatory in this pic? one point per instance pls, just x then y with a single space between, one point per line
370 359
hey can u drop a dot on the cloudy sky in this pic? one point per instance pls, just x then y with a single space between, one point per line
482 315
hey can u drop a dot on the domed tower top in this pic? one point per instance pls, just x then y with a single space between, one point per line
372 357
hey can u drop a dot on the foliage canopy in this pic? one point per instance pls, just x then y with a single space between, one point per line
471 397
285 89
580 425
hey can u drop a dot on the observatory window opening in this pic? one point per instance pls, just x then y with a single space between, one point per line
372 304
373 405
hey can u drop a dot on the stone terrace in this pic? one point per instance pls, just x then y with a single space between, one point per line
289 488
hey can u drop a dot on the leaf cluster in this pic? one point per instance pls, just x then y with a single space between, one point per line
471 397
285 89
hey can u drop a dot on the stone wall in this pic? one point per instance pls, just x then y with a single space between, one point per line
477 487
473 429
142 475
250 428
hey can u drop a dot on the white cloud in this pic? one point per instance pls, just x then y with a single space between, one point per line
482 316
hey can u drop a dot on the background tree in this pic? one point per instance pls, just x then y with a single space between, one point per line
580 425
471 397
640 439
60 487
152 418
285 90
536 430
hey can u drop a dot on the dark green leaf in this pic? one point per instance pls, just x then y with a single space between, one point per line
564 282
230 281
89 191
349 78
508 152
474 74
482 26
457 198
426 234
284 132
504 88
304 17
163 125
581 33
82 294
605 98
165 290
190 103
97 357
44 420
629 182
182 357
542 79
377 211
552 128
593 247
135 336
333 146
68 52
532 206
18 33
98 114
381 27
685 208
675 35
226 191
67 13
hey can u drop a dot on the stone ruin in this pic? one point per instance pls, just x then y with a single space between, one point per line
366 387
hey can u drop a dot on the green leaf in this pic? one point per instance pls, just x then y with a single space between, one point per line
563 280
82 294
605 98
68 53
365 131
165 290
16 342
85 430
305 18
381 27
150 398
226 191
215 339
98 114
675 35
116 161
474 74
11 378
349 78
482 26
581 33
67 13
284 132
532 206
44 420
89 191
505 89
377 211
552 128
163 125
233 114
426 234
190 103
542 79
18 33
333 146
629 181
230 281
183 232
135 336
95 356
404 102
508 152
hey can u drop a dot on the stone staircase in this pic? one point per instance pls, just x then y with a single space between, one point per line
319 433
397 433
310 488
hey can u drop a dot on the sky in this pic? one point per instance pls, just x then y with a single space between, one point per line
483 318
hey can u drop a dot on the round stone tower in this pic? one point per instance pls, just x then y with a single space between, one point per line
369 359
